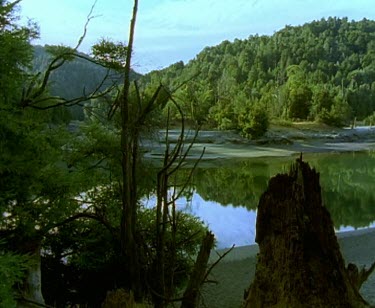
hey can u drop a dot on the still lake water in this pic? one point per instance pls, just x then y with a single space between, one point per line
225 193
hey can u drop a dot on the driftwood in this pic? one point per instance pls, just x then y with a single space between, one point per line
197 278
299 261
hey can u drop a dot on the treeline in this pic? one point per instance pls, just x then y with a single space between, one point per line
321 71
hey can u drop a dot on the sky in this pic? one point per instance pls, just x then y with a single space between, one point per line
168 31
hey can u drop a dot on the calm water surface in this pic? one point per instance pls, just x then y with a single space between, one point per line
225 193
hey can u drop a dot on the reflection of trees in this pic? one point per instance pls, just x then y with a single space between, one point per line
239 183
347 182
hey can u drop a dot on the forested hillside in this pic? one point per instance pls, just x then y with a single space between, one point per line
323 71
75 77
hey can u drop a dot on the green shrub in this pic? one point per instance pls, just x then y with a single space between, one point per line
255 124
12 269
338 116
370 120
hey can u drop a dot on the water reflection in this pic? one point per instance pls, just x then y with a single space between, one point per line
231 225
225 195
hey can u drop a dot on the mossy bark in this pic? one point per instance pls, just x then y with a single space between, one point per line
299 261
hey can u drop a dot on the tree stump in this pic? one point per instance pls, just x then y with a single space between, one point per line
299 262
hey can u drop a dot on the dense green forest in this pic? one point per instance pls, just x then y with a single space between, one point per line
321 71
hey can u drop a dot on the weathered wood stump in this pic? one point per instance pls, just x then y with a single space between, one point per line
299 261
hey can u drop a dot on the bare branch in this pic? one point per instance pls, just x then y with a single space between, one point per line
190 175
137 92
184 155
170 158
92 216
221 257
149 106
33 93
88 19
130 51
70 102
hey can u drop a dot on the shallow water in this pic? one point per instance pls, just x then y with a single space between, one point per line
225 193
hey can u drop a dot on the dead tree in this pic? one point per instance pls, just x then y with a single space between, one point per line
198 276
129 159
299 261
166 215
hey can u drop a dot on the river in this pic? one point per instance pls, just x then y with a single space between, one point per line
225 193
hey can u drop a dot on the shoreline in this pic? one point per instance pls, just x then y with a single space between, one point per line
246 251
278 142
236 271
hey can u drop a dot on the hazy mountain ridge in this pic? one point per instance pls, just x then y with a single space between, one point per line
75 78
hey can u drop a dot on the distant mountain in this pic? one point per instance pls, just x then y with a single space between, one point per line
74 78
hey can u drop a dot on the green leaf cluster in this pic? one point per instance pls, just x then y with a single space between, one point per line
110 54
12 267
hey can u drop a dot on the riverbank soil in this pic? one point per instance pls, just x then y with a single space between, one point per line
279 141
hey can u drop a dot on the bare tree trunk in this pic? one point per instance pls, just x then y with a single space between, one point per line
163 291
166 217
129 146
31 290
192 292
159 270
299 262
